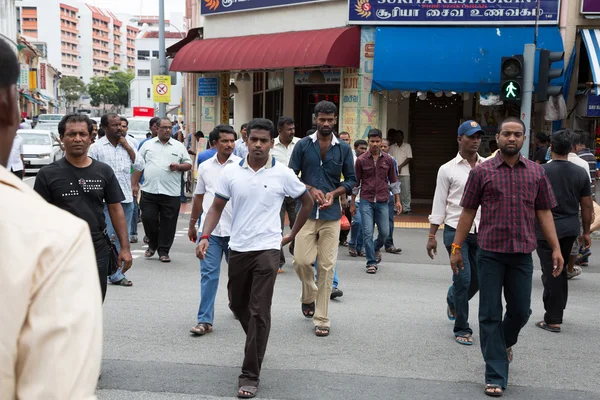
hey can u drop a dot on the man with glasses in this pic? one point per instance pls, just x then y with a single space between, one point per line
166 159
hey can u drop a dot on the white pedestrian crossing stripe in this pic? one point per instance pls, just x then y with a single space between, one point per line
135 256
137 251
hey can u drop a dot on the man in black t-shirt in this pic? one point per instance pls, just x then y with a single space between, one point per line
541 147
571 186
81 186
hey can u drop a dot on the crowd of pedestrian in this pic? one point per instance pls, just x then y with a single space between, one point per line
495 212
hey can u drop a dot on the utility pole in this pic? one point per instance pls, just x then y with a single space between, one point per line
162 68
527 93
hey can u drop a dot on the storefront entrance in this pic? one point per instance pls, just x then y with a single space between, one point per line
306 99
433 125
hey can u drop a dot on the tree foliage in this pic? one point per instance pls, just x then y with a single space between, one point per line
111 89
102 90
72 88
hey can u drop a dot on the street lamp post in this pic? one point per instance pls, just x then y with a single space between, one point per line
162 68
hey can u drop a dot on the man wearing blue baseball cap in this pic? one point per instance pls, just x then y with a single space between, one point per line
451 180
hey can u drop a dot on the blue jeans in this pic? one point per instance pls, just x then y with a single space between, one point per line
210 268
128 210
335 275
374 213
356 237
134 218
513 273
389 242
465 284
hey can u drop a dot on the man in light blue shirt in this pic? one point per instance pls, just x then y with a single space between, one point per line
241 147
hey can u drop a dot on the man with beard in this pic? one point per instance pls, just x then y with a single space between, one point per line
51 331
282 152
320 160
121 155
86 187
256 187
450 186
512 192
223 140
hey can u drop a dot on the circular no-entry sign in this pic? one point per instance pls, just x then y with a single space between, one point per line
162 89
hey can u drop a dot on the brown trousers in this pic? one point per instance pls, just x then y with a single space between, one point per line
252 277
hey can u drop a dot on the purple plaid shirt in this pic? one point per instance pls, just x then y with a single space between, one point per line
508 198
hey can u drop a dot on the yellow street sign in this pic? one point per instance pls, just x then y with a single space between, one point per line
162 88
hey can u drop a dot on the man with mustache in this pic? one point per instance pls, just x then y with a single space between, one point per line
512 192
320 160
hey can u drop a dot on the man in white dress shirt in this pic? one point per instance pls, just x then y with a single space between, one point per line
165 160
120 153
15 161
222 138
451 180
282 151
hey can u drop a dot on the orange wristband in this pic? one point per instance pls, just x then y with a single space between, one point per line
455 247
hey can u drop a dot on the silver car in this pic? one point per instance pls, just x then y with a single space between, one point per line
40 148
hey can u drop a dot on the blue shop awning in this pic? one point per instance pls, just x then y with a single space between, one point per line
591 38
456 59
30 98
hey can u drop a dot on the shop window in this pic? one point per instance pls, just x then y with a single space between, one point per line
274 105
257 105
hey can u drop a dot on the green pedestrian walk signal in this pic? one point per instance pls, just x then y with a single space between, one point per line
511 78
511 90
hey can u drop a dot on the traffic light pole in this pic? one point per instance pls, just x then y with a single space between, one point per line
162 69
527 94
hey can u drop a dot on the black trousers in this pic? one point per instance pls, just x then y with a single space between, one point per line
251 282
159 216
556 290
288 206
18 174
102 260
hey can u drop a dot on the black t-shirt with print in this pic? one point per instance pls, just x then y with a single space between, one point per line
63 184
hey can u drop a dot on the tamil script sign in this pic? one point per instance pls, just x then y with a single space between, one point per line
209 7
452 12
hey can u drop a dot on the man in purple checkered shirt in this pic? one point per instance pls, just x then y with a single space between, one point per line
512 191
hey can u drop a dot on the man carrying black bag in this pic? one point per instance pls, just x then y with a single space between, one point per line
82 186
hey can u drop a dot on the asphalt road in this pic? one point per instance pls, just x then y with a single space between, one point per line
390 337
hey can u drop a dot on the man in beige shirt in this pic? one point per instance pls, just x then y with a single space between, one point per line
50 305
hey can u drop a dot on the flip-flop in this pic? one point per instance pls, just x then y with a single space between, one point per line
324 331
372 269
149 252
493 392
464 343
201 329
123 282
165 259
308 310
248 389
546 327
451 313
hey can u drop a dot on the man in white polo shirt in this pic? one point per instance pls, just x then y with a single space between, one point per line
222 138
166 159
281 152
256 187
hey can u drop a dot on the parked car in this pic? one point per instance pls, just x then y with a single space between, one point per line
40 148
138 127
49 118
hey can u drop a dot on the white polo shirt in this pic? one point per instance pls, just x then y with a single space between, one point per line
282 153
256 199
208 178
14 161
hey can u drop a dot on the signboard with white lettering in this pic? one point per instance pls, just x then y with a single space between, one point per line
452 12
209 7
593 106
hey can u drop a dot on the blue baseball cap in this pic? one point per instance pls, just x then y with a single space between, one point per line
469 128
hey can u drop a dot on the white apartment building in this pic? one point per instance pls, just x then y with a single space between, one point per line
147 46
8 22
81 40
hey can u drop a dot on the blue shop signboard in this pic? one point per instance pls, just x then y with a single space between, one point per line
452 12
208 87
593 106
225 6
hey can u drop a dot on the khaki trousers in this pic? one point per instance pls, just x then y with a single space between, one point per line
317 240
